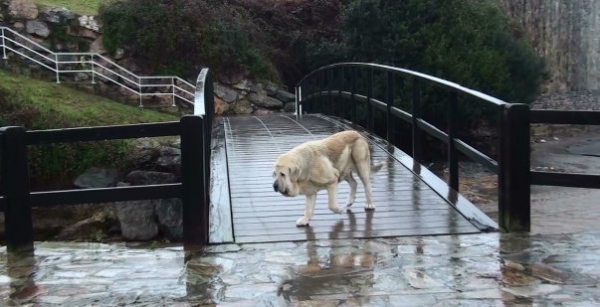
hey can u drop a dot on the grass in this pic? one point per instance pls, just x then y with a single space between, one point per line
82 7
37 105
70 107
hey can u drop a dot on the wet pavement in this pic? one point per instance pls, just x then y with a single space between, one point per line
489 269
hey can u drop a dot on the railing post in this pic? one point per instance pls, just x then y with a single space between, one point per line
193 184
330 77
4 57
514 177
417 134
452 154
93 69
369 96
353 101
15 182
57 67
390 103
173 87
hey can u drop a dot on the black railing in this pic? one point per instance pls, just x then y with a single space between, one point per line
513 164
195 132
572 180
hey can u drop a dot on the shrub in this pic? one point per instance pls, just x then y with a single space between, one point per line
468 42
190 33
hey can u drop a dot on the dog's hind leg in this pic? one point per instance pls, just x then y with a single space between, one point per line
353 186
308 213
364 172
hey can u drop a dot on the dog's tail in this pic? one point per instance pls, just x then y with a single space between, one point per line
377 167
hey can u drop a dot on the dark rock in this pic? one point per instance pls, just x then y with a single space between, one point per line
57 15
271 89
285 96
96 178
145 178
225 93
265 101
137 218
37 27
169 214
169 159
289 107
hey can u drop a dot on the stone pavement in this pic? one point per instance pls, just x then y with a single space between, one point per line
490 269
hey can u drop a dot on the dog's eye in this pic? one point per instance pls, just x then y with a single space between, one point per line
282 174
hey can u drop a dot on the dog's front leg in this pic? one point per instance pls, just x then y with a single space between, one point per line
308 213
332 190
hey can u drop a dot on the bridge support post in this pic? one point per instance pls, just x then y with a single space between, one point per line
514 177
14 175
194 187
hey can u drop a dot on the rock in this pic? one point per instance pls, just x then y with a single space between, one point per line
265 101
164 100
96 178
285 96
25 9
87 33
243 85
119 54
270 88
137 219
221 107
261 111
97 227
37 27
169 214
19 26
149 177
97 46
242 107
169 159
289 107
57 15
227 94
89 22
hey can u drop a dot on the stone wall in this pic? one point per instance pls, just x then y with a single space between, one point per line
567 34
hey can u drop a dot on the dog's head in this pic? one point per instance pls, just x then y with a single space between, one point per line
286 174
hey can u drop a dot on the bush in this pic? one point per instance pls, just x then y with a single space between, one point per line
468 42
187 33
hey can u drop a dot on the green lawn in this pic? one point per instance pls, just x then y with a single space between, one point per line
45 105
82 7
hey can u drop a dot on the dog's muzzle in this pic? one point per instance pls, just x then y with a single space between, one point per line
276 188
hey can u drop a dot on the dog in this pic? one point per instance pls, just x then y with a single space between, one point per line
321 165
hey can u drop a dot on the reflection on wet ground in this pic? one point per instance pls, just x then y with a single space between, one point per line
489 269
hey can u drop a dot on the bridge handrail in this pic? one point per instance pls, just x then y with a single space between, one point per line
512 166
195 131
96 65
410 73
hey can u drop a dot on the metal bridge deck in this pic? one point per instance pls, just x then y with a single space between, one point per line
246 209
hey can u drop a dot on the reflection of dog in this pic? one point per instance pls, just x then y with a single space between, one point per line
321 165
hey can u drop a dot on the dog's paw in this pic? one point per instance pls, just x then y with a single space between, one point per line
370 207
348 205
301 222
337 210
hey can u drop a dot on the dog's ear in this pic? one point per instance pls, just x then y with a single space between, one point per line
295 172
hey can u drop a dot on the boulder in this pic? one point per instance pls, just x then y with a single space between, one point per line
289 107
170 219
227 94
97 46
262 100
270 88
221 107
57 15
285 96
242 107
23 9
169 159
89 22
96 178
137 218
37 27
146 177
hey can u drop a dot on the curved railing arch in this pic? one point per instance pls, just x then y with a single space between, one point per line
513 163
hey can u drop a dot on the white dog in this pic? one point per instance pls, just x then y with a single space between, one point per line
320 165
